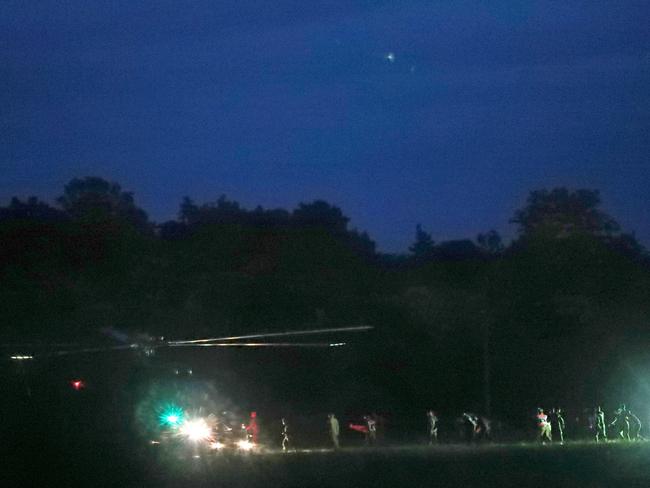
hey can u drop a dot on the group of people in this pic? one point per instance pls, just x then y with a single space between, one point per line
551 427
624 425
369 429
475 427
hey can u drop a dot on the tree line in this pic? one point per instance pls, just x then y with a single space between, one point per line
558 315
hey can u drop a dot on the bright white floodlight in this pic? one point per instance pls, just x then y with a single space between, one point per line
196 430
245 445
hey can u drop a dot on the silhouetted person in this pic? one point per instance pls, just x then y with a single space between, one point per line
556 420
371 434
600 425
635 426
285 435
333 425
484 430
253 429
470 426
543 426
621 422
432 419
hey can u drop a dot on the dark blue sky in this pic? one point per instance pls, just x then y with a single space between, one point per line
278 102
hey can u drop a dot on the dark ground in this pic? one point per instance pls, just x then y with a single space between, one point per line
574 465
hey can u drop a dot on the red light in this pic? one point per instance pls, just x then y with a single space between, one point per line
77 384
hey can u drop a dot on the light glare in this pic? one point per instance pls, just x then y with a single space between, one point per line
196 430
245 445
172 416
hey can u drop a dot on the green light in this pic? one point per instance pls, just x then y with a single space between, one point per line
171 416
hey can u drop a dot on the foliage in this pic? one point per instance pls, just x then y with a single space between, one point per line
423 246
571 293
94 199
490 242
561 213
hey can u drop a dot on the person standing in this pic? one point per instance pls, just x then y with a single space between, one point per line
334 429
285 435
253 429
432 419
621 422
543 426
635 426
470 423
557 424
601 426
371 435
484 428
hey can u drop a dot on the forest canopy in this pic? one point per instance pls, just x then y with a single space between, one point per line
571 289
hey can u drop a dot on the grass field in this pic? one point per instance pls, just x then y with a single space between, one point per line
572 465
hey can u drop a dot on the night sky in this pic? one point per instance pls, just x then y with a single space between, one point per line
438 112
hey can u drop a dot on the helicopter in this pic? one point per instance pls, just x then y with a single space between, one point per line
147 347
125 381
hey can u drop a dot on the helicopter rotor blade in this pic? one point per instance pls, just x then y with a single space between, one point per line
360 328
209 342
262 344
66 352
35 345
91 349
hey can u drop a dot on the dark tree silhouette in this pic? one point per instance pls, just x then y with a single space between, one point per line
458 249
222 269
627 244
423 246
269 218
561 213
321 214
362 244
33 209
189 212
223 211
172 230
95 199
490 242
